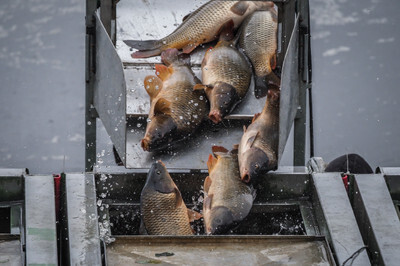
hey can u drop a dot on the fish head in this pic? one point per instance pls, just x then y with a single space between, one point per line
254 162
160 132
158 179
220 221
223 98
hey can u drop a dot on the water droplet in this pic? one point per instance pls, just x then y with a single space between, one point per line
116 129
138 124
201 97
148 120
196 104
180 117
99 202
89 123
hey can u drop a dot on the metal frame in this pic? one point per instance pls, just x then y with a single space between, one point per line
287 9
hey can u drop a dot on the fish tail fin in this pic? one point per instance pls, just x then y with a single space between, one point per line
146 48
143 45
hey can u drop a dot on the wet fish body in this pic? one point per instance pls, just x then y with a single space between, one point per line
258 148
162 208
227 199
176 110
226 76
201 26
258 39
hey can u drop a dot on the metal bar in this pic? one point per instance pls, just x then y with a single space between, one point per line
40 220
105 14
336 218
11 184
377 218
82 239
90 117
392 178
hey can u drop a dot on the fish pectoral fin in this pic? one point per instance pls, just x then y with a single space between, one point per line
193 215
178 198
162 71
240 8
162 107
207 184
226 33
244 128
272 61
153 85
212 161
255 117
216 149
142 228
188 48
207 202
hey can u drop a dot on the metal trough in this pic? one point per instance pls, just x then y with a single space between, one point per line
116 94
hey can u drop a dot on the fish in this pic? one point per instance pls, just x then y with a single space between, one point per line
201 26
258 40
258 148
176 110
163 211
226 76
227 199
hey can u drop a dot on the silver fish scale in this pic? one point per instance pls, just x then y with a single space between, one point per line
228 65
259 40
226 186
188 106
162 217
199 26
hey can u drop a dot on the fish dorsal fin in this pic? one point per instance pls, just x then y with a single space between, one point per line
193 215
153 85
226 33
240 8
253 139
178 198
207 203
207 184
216 149
212 161
255 117
199 87
162 107
163 72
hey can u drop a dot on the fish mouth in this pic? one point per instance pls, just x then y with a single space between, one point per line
215 116
246 177
145 144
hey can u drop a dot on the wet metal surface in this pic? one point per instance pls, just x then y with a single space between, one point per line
377 218
41 238
336 218
10 251
82 236
214 250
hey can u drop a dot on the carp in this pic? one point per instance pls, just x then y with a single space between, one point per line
201 26
258 39
226 76
162 207
176 110
258 148
227 199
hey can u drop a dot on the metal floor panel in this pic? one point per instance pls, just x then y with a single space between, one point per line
40 221
341 225
377 218
83 231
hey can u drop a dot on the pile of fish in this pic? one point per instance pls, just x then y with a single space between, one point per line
180 102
